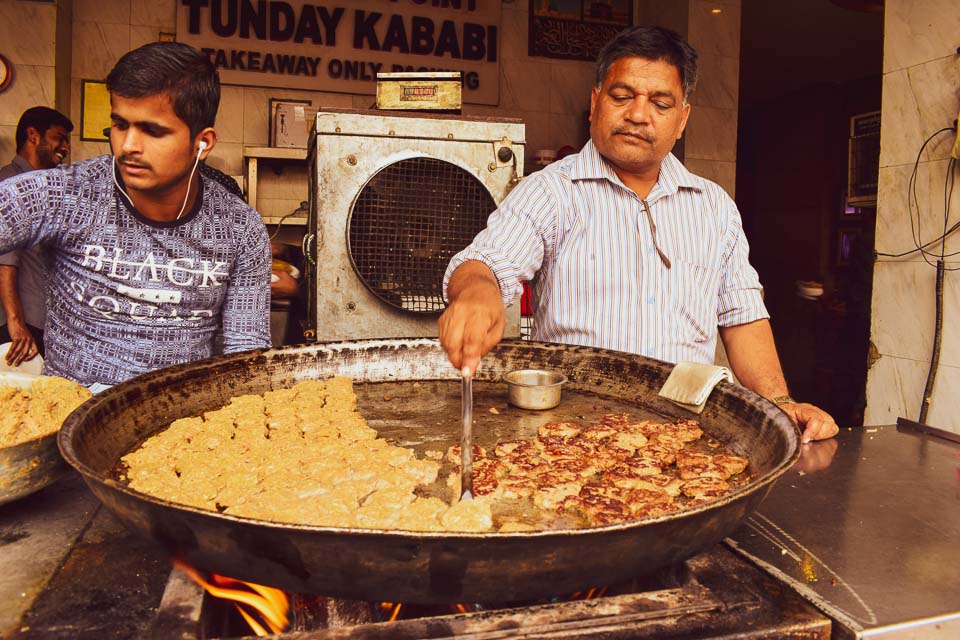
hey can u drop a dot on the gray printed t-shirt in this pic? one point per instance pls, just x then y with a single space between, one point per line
127 294
31 266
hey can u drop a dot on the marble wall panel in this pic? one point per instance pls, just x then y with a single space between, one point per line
715 33
96 48
723 173
514 32
894 389
363 102
711 134
74 115
943 405
326 100
484 110
570 87
537 132
256 116
950 341
917 102
895 210
230 115
903 309
228 158
83 150
143 34
103 11
719 82
32 85
565 130
522 86
916 31
28 33
8 143
921 90
154 14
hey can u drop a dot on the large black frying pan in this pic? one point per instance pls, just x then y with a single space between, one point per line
416 408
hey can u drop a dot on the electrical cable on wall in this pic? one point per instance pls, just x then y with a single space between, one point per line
302 209
922 248
912 200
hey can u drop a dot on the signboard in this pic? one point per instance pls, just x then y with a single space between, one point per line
94 111
341 45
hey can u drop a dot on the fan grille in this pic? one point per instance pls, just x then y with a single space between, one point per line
406 224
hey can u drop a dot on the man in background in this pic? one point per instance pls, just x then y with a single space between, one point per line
43 142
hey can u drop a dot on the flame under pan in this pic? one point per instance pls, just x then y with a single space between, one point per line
423 567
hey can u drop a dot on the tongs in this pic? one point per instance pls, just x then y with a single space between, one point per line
466 438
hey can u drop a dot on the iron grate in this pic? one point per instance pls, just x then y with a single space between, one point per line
408 222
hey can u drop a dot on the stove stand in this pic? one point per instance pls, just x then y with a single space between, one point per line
716 594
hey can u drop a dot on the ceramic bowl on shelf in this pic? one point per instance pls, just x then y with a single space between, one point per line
809 289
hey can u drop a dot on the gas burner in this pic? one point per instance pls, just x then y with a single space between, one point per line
716 593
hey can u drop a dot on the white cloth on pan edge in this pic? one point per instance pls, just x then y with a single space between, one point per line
690 384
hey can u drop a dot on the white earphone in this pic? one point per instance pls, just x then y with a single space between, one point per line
201 146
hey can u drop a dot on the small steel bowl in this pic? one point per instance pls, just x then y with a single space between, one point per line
534 388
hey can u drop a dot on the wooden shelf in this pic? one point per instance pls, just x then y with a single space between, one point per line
277 153
292 221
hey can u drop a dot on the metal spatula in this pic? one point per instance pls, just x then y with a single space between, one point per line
466 438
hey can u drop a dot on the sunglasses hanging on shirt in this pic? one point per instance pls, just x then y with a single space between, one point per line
653 234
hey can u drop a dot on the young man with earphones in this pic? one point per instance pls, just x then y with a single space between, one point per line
150 261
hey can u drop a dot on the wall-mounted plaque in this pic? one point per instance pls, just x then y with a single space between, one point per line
575 29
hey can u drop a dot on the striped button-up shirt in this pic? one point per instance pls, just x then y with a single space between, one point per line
584 241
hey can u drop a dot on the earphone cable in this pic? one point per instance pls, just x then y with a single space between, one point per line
196 163
186 197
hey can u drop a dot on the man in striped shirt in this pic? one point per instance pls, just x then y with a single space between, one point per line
625 248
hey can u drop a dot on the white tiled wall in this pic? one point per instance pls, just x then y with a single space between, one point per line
711 137
27 40
921 94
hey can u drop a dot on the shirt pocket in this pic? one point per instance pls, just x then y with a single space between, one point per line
694 289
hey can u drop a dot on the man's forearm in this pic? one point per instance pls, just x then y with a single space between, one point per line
9 296
753 357
471 273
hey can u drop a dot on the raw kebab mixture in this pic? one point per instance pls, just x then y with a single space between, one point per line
38 410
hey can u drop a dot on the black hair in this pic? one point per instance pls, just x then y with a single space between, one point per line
177 70
41 119
652 43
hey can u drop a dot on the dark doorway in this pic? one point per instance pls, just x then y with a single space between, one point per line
807 67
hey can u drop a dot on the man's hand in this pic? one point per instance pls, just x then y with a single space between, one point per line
474 321
816 423
22 345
